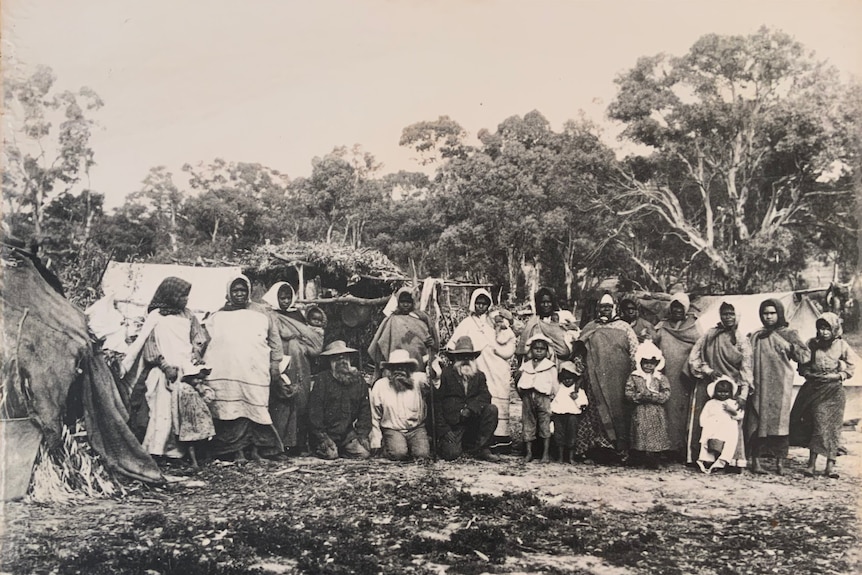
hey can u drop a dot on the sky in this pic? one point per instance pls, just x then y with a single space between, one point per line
279 82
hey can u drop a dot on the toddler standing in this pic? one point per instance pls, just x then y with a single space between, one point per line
537 386
191 417
719 421
566 409
648 389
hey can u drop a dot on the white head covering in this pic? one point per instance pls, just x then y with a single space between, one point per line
271 295
648 350
710 389
233 280
476 293
682 298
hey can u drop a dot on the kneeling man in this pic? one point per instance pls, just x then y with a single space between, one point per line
398 409
466 418
338 411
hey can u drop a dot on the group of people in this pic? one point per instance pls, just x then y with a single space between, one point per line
242 381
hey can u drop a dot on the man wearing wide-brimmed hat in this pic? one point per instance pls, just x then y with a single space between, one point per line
398 409
338 409
465 417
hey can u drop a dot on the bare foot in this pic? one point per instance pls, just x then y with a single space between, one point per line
239 457
546 458
808 472
528 458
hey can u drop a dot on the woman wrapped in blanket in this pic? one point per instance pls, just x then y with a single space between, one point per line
818 412
775 349
244 354
170 338
543 322
721 351
302 342
611 346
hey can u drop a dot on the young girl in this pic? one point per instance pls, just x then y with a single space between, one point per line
720 423
537 386
648 389
566 409
191 416
818 412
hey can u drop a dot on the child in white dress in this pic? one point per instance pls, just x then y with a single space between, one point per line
566 409
720 423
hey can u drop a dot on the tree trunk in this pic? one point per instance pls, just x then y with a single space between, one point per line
513 274
215 231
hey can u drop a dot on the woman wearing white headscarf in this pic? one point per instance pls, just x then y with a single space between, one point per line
244 354
491 335
675 336
302 343
611 345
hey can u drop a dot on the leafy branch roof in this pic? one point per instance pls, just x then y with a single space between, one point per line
333 258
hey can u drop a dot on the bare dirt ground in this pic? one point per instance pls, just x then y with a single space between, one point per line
311 516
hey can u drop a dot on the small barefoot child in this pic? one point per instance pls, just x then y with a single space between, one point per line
648 389
818 412
192 420
719 423
537 386
567 406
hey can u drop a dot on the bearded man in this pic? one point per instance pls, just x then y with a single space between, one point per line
338 409
466 418
398 409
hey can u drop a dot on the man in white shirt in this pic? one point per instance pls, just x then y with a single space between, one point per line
399 408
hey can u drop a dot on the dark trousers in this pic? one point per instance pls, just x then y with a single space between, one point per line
473 434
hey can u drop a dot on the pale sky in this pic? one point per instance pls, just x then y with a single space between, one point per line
281 81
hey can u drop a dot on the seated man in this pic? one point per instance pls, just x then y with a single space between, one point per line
465 417
398 409
338 411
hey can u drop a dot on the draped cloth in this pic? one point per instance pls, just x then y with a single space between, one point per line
724 352
239 357
818 412
774 352
412 332
300 342
611 348
176 339
675 340
552 331
496 350
244 354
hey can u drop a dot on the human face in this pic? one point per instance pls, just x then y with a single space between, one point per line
824 331
546 305
606 310
315 319
183 301
677 311
482 304
728 318
238 293
539 349
405 304
723 391
340 363
769 316
284 298
648 365
629 312
398 370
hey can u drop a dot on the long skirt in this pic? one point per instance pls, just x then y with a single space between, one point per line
591 431
236 434
649 428
817 417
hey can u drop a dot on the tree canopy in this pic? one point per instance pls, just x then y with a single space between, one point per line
746 167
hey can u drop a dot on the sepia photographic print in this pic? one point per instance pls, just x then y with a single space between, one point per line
460 287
